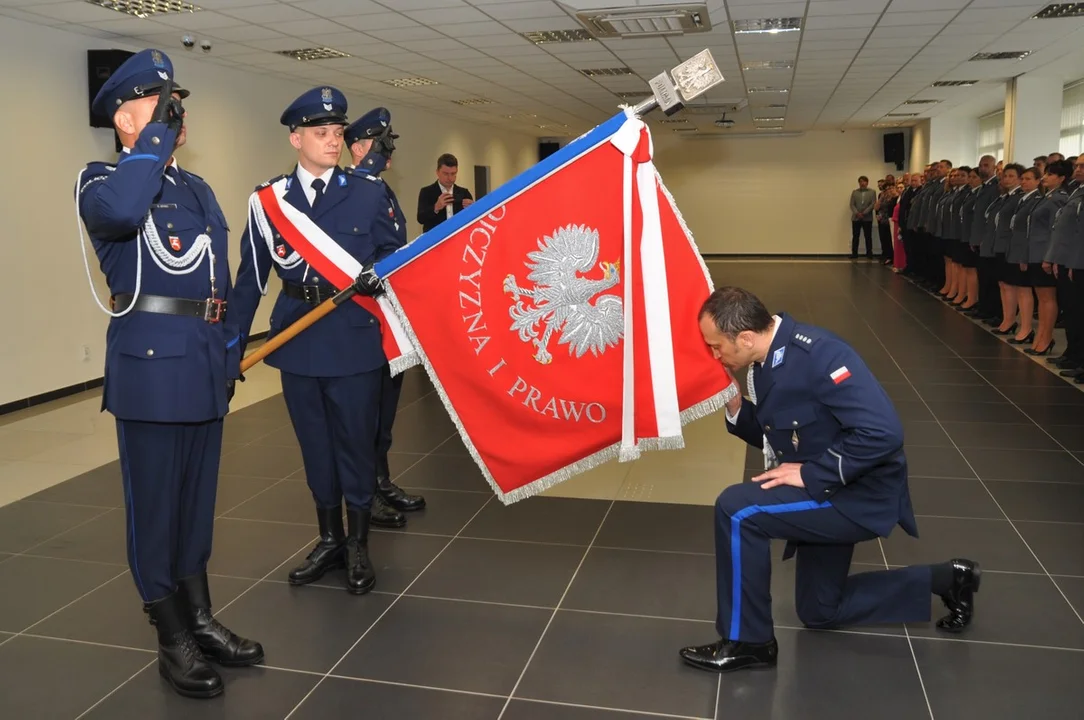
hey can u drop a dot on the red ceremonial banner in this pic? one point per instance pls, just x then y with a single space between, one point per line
523 317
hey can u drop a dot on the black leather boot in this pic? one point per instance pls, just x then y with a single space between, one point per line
328 554
383 516
960 598
180 661
395 496
215 640
360 576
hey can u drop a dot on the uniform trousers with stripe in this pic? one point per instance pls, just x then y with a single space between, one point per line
748 518
170 476
335 420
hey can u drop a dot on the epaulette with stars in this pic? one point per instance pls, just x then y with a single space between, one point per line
271 181
803 341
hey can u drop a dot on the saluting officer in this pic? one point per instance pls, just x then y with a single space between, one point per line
170 365
371 142
331 373
837 477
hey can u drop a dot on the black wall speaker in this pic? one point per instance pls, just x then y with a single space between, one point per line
545 149
894 149
100 65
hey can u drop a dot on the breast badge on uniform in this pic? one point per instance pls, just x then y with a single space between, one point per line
175 243
777 357
280 250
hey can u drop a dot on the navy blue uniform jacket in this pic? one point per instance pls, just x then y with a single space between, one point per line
160 368
819 405
354 212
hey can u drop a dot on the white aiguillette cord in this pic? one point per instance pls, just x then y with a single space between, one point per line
770 461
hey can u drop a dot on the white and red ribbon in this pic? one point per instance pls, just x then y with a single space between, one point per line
338 266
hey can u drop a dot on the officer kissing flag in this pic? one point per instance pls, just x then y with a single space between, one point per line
556 315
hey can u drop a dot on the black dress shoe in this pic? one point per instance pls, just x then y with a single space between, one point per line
180 662
729 655
1065 363
360 576
330 551
1071 374
960 599
1055 360
396 497
217 642
385 517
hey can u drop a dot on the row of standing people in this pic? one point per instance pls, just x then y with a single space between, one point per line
996 245
179 327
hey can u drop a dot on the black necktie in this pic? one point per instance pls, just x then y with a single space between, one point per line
174 174
318 186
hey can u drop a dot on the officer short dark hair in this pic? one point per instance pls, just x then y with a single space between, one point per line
447 160
1015 167
1061 168
735 310
863 177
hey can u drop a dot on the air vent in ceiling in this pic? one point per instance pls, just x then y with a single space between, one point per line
473 101
768 119
887 125
770 127
607 72
1010 55
954 83
685 130
521 116
645 21
769 26
306 54
1060 10
409 82
768 65
672 121
774 106
922 102
543 37
902 115
766 89
146 8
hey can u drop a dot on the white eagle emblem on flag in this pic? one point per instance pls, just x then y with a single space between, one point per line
562 296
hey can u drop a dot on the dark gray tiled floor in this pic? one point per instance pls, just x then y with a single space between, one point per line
557 609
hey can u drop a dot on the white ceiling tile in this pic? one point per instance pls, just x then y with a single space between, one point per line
376 23
442 16
562 22
841 21
403 34
306 28
845 7
760 10
472 29
525 10
335 8
242 33
268 13
73 12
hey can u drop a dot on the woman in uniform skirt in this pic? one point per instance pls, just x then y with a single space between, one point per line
1039 229
1016 256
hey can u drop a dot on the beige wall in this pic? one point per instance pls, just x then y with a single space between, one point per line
234 142
920 146
770 196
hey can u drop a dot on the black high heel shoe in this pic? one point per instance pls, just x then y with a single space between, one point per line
1023 341
1038 353
1010 331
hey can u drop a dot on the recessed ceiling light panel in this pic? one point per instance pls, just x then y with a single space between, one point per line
544 37
768 65
409 82
767 89
146 8
646 21
607 72
770 26
306 54
922 102
955 83
769 119
770 127
887 125
902 115
473 101
1059 11
1008 55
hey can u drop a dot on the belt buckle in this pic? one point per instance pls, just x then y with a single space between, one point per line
312 294
213 310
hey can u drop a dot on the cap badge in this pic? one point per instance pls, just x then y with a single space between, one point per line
156 58
325 94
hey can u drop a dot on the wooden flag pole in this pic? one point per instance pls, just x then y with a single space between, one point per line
298 327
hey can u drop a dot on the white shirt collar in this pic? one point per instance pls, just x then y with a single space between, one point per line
307 177
776 322
1027 195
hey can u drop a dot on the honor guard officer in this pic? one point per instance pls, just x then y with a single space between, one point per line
331 373
837 477
171 362
371 142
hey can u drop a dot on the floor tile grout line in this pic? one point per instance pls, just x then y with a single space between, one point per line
910 643
605 613
392 604
218 611
62 534
968 462
718 695
644 713
556 609
222 515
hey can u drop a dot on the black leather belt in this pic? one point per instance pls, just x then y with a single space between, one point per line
210 310
312 294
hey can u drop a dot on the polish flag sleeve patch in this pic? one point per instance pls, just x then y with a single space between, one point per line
840 375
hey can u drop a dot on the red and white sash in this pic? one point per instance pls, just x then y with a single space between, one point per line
339 267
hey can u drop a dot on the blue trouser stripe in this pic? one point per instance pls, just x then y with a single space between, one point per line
735 549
